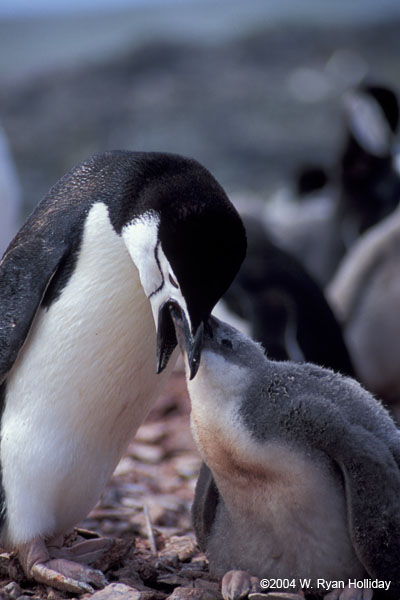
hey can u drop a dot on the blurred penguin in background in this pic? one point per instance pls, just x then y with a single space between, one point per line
284 307
333 206
365 290
303 221
365 295
368 175
10 195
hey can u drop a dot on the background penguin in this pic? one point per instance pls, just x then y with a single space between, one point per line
368 176
284 306
365 295
333 207
310 178
303 221
305 470
85 291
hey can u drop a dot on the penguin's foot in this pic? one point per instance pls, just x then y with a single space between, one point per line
349 594
237 584
59 573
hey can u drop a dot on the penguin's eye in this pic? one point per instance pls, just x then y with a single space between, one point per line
172 280
227 343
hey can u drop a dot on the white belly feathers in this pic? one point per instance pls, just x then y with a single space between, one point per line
83 383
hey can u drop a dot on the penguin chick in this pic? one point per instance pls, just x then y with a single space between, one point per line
86 336
302 476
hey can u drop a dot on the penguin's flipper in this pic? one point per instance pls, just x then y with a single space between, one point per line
371 478
204 506
372 485
26 271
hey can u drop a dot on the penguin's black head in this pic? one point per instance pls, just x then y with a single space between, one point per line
387 100
369 183
188 243
371 114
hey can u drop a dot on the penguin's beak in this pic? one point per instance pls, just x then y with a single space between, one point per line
173 326
166 337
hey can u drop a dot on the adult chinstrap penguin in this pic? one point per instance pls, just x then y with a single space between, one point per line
85 326
302 477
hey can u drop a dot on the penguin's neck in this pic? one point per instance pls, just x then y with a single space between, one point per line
216 395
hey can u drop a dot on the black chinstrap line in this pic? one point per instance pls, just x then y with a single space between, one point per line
159 268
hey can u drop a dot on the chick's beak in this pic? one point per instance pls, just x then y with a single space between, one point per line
191 345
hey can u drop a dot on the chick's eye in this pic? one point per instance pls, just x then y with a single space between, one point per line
227 343
172 280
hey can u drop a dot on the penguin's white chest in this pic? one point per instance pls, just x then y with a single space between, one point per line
82 385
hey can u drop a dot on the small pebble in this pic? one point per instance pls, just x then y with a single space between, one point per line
184 547
172 579
146 453
151 433
184 593
117 591
187 466
125 466
13 590
5 562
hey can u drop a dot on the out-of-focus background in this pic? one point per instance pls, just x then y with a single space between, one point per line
253 90
247 88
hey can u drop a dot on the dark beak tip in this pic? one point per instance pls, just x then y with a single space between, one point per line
195 351
191 345
194 367
166 338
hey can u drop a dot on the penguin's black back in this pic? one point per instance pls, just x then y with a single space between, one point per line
272 282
